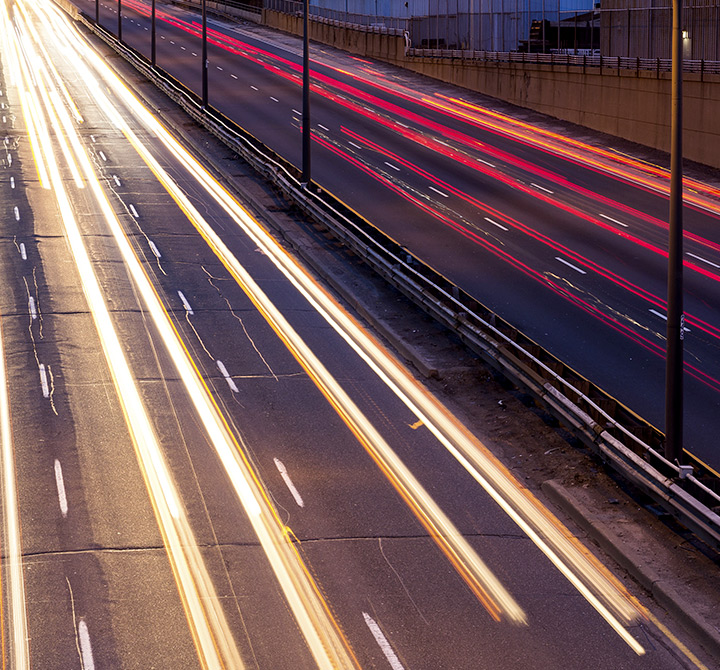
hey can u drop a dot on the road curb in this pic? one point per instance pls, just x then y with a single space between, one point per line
680 606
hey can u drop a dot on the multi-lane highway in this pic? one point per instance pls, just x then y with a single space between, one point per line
206 462
564 240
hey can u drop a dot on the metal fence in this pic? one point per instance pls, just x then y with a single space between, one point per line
580 60
254 7
526 26
340 15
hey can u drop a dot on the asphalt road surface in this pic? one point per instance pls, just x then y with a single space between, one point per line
206 462
563 239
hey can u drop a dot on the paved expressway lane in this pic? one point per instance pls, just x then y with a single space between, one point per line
207 463
564 241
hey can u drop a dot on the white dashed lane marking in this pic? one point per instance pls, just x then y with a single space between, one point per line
60 483
230 381
704 260
495 223
570 265
185 303
289 482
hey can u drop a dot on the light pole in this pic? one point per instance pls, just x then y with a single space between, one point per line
97 11
306 138
119 30
152 34
204 56
675 316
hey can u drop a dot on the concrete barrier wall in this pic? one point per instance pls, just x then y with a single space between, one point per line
625 103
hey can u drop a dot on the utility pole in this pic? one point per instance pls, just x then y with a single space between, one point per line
204 56
675 316
306 137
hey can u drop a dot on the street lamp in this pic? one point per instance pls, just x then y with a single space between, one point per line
204 56
152 34
306 138
119 30
675 316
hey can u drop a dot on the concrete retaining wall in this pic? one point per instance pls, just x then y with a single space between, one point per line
625 103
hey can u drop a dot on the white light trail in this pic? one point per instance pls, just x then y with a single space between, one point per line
322 634
18 653
481 580
601 590
214 640
591 579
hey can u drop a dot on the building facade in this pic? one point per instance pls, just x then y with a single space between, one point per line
642 29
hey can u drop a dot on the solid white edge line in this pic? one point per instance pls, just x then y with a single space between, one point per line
383 643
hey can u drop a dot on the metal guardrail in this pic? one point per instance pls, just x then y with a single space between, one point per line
612 62
626 442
